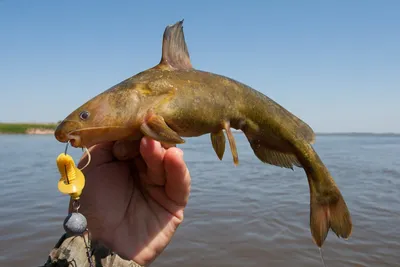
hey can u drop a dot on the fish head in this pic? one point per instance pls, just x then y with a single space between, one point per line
107 117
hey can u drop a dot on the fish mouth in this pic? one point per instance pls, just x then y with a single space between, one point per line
64 130
69 131
74 140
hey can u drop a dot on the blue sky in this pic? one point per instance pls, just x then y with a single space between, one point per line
335 64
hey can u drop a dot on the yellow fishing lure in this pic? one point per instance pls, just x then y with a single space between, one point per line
72 179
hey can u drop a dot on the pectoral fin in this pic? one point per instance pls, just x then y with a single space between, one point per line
155 127
218 143
232 143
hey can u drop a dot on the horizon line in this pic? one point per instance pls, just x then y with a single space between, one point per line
317 133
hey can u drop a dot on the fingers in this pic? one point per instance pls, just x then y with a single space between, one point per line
153 156
166 146
162 167
177 186
166 167
105 152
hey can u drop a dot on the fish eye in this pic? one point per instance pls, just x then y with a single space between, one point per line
84 115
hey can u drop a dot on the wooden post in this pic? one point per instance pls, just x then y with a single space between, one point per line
71 251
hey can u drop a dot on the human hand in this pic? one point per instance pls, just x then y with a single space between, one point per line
134 205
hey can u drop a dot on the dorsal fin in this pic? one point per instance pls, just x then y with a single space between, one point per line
175 53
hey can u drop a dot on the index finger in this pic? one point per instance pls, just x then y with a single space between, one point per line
177 185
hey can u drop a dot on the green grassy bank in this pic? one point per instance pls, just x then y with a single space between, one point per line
26 128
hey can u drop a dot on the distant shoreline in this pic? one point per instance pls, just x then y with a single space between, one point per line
28 128
49 128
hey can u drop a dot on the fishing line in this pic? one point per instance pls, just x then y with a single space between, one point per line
322 257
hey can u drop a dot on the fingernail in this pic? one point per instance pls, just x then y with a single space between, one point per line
166 146
179 153
144 141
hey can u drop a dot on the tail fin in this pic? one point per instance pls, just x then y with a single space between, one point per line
332 214
328 210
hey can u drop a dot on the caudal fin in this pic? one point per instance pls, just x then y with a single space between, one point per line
328 210
332 215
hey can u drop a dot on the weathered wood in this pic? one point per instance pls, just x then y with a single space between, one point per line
70 251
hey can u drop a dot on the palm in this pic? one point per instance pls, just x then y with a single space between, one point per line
134 210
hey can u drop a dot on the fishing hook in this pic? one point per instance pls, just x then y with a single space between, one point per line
66 148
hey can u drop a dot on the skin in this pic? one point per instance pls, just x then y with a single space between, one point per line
174 100
135 196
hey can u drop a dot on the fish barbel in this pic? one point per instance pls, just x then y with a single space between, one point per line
173 100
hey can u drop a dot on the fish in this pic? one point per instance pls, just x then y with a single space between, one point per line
172 101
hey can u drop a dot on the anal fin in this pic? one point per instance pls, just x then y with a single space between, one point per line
272 156
155 127
218 142
232 143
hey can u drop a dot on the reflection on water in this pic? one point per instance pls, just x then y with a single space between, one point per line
250 215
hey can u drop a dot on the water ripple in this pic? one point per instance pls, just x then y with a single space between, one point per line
250 215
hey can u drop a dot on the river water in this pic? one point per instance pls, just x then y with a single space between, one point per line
250 215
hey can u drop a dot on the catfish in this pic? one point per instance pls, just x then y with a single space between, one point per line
173 100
